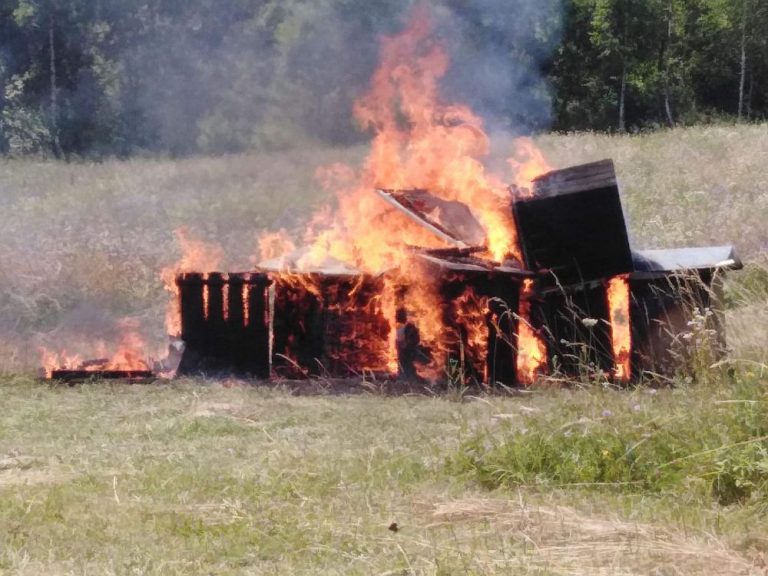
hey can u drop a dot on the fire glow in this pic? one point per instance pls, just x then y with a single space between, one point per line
618 295
531 349
129 355
196 255
419 142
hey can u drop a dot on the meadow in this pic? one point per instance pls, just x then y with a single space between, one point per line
216 477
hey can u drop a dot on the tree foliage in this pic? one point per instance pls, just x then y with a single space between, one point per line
120 77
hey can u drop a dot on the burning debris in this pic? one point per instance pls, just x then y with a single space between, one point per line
455 312
127 362
433 269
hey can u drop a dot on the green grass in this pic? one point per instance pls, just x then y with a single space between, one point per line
204 478
707 442
208 478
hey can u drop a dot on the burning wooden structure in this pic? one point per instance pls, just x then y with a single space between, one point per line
580 297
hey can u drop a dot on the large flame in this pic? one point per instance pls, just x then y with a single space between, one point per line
621 334
418 141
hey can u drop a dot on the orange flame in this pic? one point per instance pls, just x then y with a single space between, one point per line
206 297
58 360
527 162
196 256
531 349
418 141
129 355
472 313
274 245
246 304
621 335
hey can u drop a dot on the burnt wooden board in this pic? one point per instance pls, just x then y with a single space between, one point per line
83 375
230 334
450 221
573 227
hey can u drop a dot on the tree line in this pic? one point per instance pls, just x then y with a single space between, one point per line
98 78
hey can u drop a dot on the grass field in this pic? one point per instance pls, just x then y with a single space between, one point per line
201 477
82 244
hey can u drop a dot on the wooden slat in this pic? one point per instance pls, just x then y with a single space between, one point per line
576 179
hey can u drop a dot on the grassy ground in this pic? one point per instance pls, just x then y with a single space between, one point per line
202 478
83 244
207 478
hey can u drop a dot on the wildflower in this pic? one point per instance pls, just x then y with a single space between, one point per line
607 413
589 322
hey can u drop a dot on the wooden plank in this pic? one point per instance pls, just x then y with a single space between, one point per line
440 232
79 375
575 179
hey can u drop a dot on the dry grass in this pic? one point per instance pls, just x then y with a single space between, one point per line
562 540
81 244
198 478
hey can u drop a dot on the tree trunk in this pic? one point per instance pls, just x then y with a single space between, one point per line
54 89
622 93
667 99
743 70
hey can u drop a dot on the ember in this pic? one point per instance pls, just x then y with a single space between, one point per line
532 351
621 338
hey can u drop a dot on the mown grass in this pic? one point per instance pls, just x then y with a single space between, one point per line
202 477
211 478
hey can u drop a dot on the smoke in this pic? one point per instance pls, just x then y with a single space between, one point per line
499 54
237 78
80 254
499 51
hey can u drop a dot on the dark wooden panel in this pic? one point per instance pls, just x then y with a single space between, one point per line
217 340
575 344
660 311
577 237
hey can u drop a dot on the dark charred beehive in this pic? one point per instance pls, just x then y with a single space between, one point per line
225 323
572 227
588 302
576 328
676 293
329 325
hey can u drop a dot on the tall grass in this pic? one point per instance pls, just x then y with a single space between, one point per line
83 244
